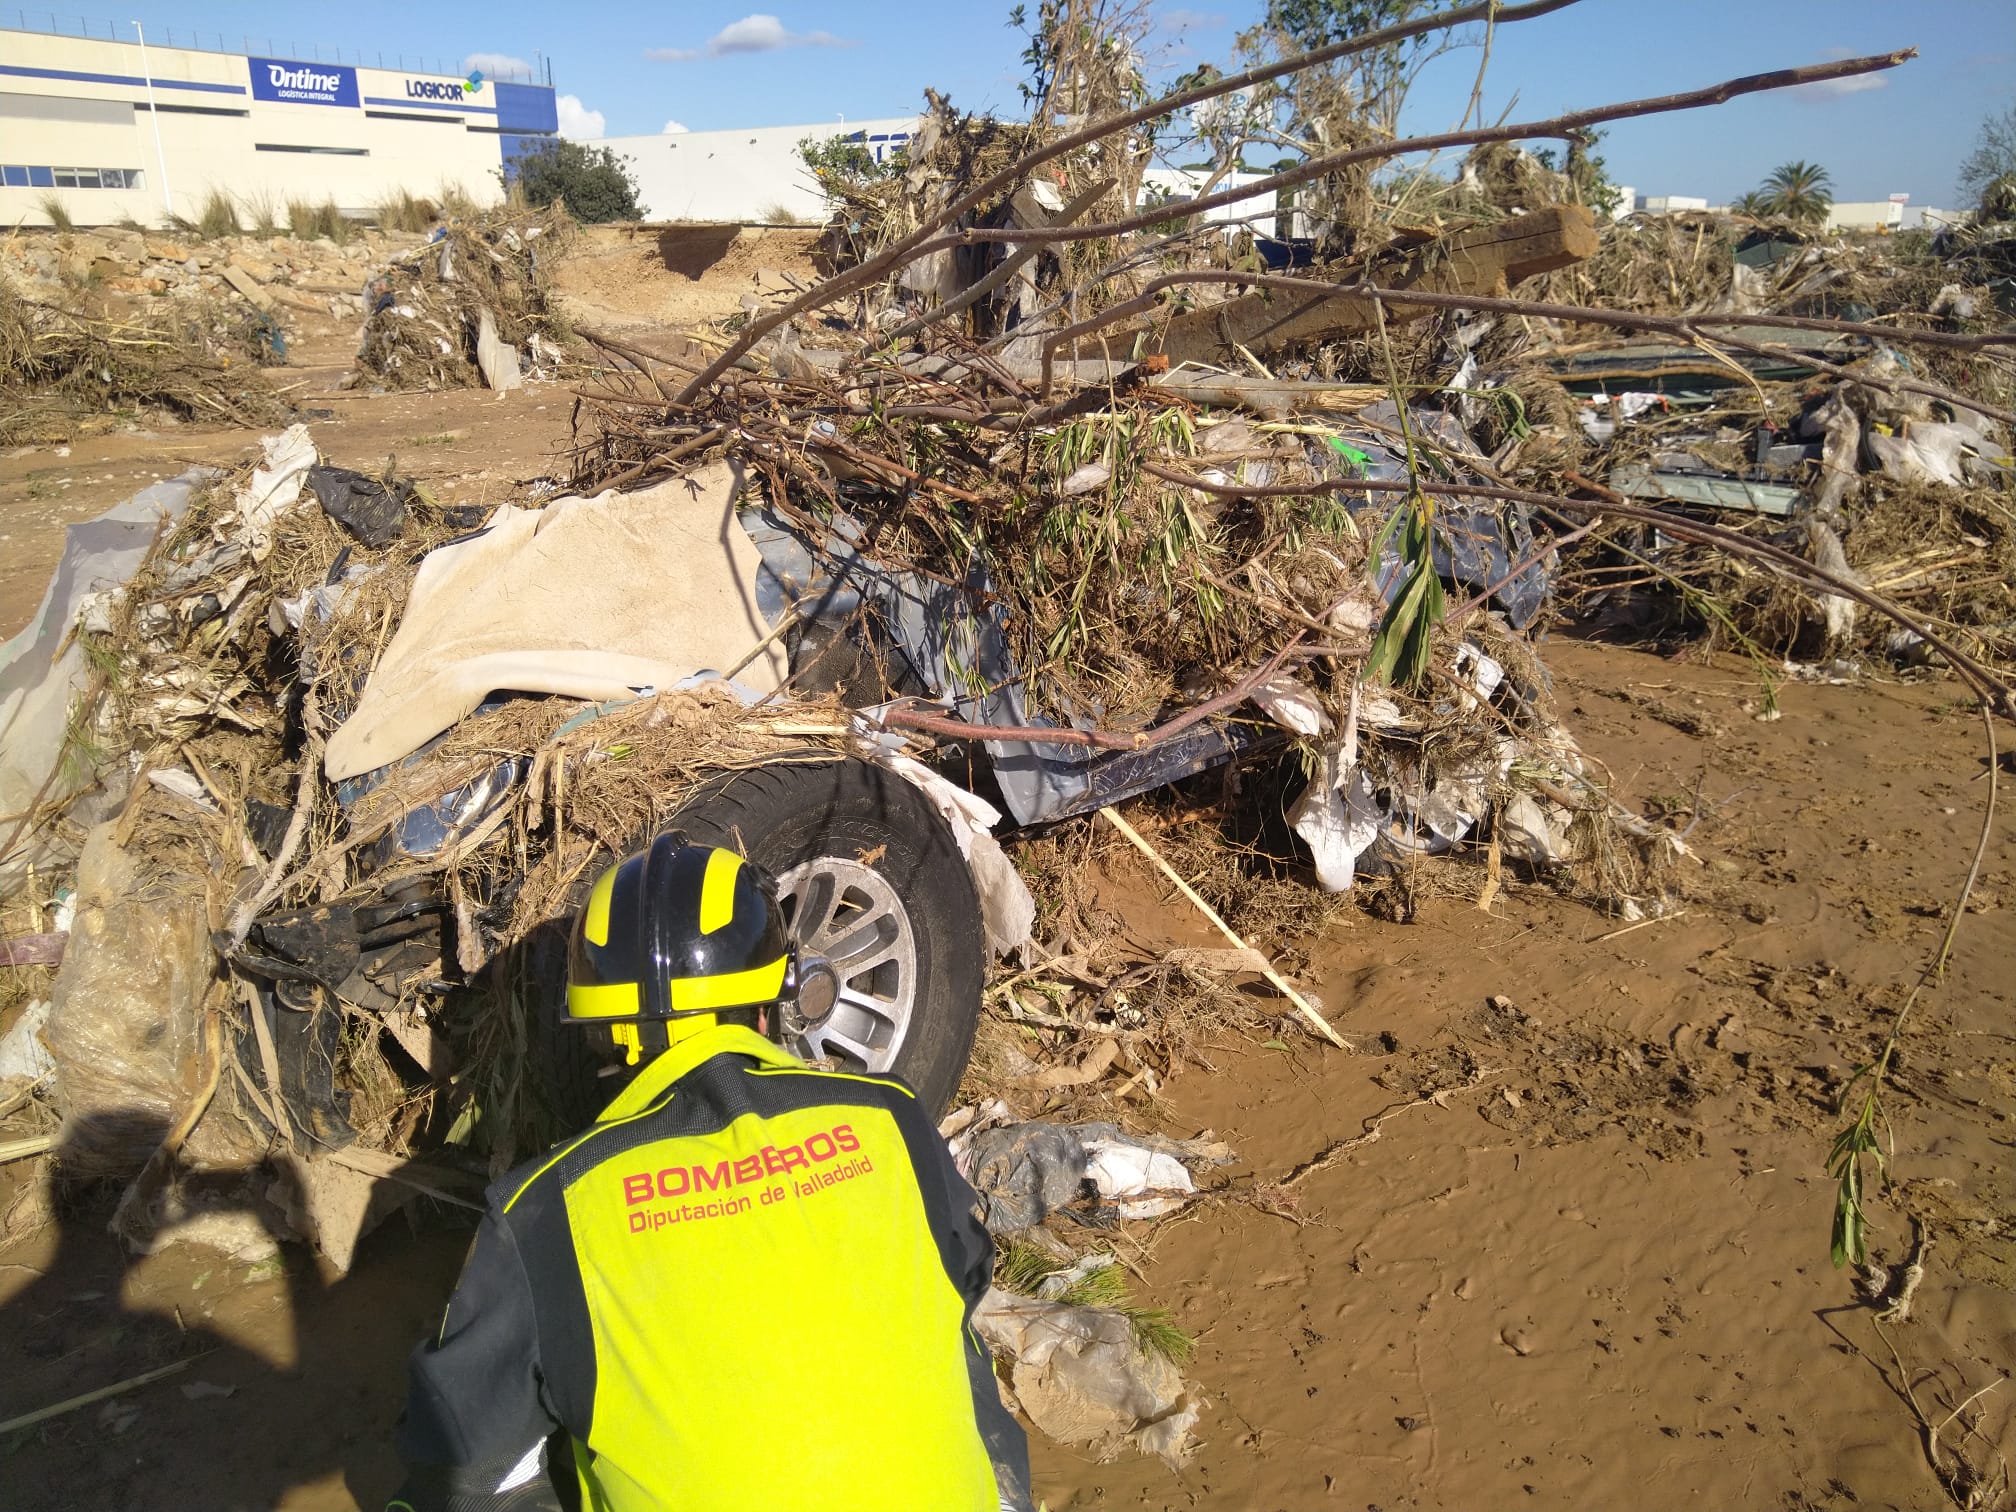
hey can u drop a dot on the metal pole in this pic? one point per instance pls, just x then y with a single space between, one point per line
160 152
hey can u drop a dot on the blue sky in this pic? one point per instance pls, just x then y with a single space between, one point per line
630 69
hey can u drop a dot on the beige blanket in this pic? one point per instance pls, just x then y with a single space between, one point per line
590 598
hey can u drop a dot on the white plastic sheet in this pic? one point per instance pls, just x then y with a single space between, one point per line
1081 1378
1005 904
42 670
1145 1183
23 1056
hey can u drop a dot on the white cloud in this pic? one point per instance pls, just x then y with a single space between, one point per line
1834 89
672 126
752 34
496 65
577 122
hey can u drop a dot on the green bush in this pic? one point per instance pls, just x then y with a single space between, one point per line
593 182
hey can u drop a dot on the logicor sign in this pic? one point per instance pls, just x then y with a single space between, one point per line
291 83
438 89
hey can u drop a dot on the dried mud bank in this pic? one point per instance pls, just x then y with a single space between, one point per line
1559 1232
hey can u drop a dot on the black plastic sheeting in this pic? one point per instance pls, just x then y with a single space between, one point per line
373 514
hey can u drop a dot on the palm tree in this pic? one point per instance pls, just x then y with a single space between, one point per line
1756 204
1798 192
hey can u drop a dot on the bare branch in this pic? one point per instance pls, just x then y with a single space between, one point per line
1559 126
901 252
1104 740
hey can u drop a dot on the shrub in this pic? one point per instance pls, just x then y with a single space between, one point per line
218 217
309 221
260 210
593 182
457 203
403 212
52 206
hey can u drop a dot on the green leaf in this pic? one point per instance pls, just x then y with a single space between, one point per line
1347 451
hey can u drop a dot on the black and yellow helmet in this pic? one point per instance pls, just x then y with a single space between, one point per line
675 932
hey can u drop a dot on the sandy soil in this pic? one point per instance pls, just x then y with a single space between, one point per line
1573 1252
1567 1250
472 447
621 278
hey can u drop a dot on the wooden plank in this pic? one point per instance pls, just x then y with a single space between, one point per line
21 1149
1280 983
34 949
1486 260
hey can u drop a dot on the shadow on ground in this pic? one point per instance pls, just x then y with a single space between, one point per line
289 1379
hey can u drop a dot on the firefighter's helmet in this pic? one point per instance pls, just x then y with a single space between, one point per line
673 935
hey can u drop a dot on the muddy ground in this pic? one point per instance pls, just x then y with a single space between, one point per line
1555 1236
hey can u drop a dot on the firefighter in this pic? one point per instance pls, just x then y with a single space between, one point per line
749 1285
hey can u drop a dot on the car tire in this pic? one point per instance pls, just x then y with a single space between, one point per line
850 842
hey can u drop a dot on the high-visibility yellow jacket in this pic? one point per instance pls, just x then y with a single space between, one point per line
749 1286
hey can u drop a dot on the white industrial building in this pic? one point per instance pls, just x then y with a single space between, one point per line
115 130
756 174
748 175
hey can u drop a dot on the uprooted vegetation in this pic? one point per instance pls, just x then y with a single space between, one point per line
63 371
436 316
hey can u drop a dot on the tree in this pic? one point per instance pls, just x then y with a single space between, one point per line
593 182
1756 204
1798 191
844 167
1349 102
1588 176
1988 173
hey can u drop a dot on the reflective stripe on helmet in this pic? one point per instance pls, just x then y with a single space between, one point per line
731 989
605 1000
595 923
717 890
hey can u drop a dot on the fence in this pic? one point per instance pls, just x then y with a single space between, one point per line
50 24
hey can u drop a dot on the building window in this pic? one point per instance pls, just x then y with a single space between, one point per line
211 110
22 176
329 151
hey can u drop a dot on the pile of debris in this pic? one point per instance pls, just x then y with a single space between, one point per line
104 327
469 308
1872 436
300 275
63 373
192 722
